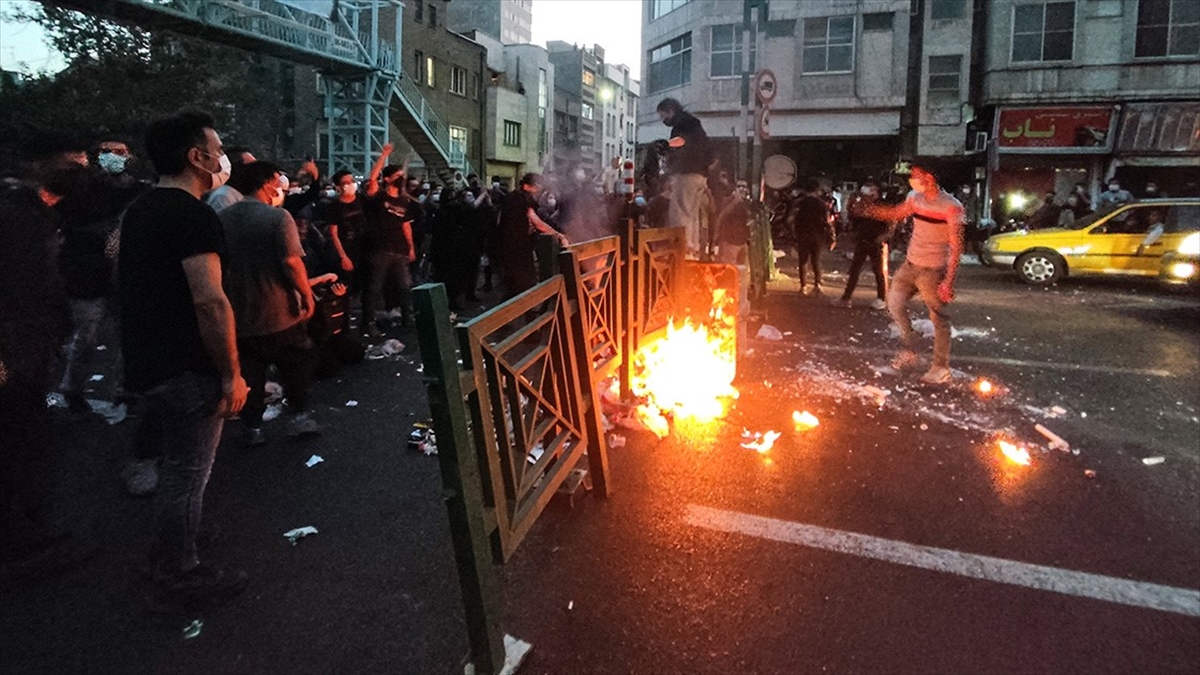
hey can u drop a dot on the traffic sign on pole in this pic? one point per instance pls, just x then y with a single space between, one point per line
765 86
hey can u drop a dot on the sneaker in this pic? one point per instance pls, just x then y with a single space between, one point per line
845 302
805 291
937 375
203 584
878 303
140 477
302 425
254 437
905 360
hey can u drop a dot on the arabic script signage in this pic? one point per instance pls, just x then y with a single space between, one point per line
1056 130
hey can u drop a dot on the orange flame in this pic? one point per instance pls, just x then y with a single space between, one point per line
1014 454
984 387
805 420
762 443
689 372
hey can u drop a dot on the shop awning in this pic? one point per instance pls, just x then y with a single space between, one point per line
1160 128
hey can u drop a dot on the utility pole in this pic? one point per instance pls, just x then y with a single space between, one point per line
910 116
750 163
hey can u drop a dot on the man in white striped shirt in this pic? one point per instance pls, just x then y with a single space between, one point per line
929 269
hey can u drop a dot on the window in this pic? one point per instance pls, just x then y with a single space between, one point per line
829 45
1168 28
587 112
726 59
589 78
475 86
512 134
877 21
420 75
661 7
429 63
944 73
543 94
671 63
947 9
419 10
458 81
629 132
458 146
1043 32
432 16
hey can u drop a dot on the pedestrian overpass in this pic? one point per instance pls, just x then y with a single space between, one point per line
354 44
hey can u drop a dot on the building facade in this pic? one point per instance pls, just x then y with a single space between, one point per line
520 105
862 85
509 21
448 70
577 73
618 96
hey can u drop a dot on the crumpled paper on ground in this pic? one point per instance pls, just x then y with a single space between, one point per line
769 332
385 349
299 533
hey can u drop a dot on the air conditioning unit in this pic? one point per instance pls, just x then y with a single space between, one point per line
978 142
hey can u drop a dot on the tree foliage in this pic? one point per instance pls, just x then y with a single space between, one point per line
119 78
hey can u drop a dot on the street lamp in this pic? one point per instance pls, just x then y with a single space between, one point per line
606 94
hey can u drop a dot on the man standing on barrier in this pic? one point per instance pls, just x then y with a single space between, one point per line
687 164
929 269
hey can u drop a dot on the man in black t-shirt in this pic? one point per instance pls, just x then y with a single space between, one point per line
389 245
519 223
814 233
177 333
870 241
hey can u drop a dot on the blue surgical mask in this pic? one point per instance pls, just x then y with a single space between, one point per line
639 200
111 162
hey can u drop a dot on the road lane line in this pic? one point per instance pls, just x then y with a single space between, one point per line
1068 582
1044 365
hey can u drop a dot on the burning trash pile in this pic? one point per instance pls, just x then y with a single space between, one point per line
689 372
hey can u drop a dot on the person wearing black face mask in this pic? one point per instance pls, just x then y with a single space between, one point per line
390 245
688 159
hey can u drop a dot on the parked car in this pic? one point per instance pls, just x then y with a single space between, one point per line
1151 238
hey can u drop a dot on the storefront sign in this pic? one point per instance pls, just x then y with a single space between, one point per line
1056 130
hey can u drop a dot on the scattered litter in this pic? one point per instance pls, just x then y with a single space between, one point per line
769 332
616 441
880 395
1151 461
925 328
885 370
535 454
390 347
805 420
1058 411
351 403
101 348
96 378
274 391
1056 441
571 605
422 438
778 254
759 442
1089 473
192 630
924 427
274 410
787 332
314 460
112 414
299 533
55 400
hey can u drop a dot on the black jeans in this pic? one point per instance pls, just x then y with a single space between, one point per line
291 350
388 270
877 252
185 416
810 253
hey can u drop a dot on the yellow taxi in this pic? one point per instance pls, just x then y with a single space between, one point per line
1151 238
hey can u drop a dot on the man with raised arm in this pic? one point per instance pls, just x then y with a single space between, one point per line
929 268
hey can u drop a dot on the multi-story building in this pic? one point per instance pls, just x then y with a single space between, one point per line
520 100
447 69
618 97
576 128
509 21
1084 90
1033 95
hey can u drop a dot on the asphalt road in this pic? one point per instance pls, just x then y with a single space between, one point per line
708 557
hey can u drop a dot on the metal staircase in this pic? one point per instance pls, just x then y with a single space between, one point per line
360 69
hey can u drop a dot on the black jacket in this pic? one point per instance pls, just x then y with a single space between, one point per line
696 153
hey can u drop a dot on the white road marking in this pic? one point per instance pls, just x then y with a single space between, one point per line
1068 582
1043 365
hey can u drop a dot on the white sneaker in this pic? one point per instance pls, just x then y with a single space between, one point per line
878 304
905 360
937 375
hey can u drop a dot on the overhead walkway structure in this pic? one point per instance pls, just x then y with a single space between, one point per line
365 88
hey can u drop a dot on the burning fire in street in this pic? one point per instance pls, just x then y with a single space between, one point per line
1015 454
688 374
805 420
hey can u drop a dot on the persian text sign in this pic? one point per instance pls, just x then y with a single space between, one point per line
1056 129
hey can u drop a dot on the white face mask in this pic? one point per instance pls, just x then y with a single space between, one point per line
551 203
350 189
112 163
330 193
221 175
435 197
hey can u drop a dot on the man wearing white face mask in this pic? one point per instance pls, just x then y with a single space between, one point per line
222 194
267 285
177 334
